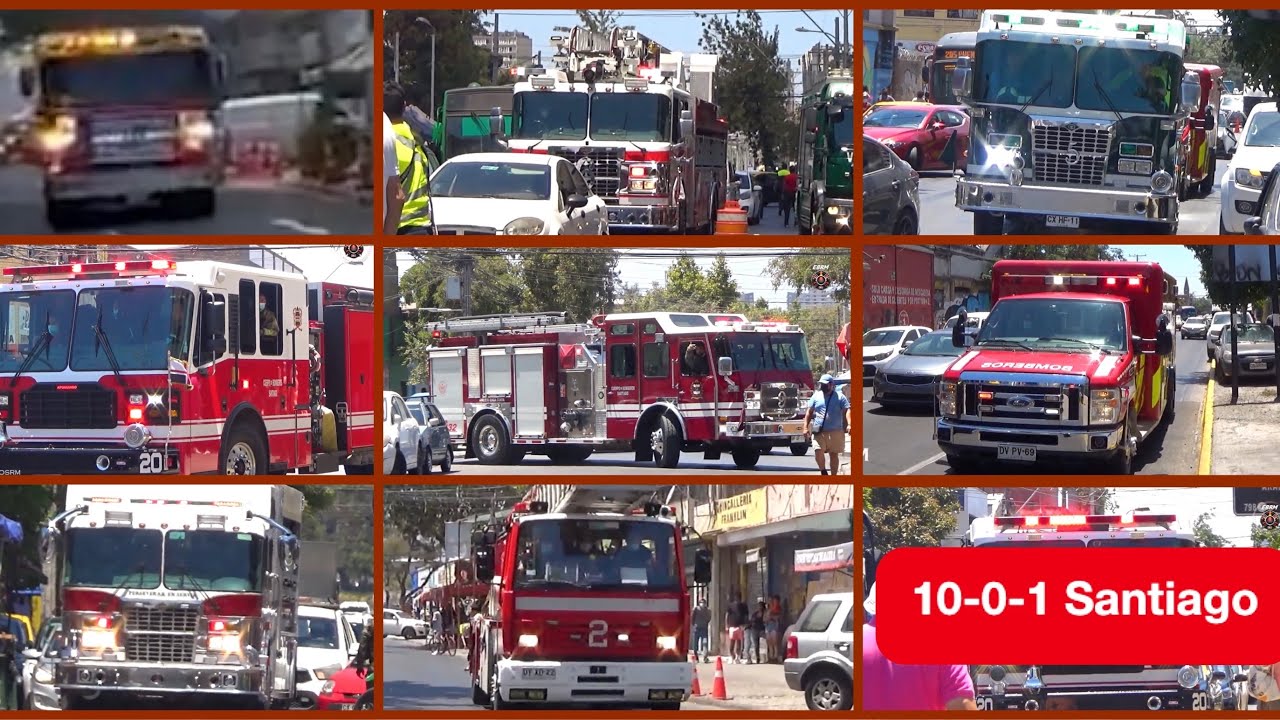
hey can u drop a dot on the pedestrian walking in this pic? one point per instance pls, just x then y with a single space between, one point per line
827 421
772 626
734 620
755 631
790 184
701 621
888 686
411 164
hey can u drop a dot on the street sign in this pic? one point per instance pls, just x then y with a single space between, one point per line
1255 500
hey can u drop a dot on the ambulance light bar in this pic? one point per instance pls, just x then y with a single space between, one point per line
536 507
1046 521
1134 281
120 268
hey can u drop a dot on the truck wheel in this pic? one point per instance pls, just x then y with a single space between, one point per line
985 223
800 449
492 445
568 455
746 458
1172 395
1122 463
665 441
243 453
478 697
446 465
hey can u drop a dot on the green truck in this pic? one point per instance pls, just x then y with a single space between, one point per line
824 203
462 121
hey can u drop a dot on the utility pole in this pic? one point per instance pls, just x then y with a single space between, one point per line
495 64
465 267
848 38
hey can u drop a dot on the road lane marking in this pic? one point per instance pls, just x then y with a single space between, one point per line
294 225
923 464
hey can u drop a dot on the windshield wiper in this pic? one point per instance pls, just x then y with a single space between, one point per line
1097 85
185 577
1047 84
1098 348
100 339
549 583
1003 341
30 358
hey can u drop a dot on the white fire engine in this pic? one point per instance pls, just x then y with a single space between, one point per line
126 116
627 116
1086 687
657 383
152 366
588 602
176 592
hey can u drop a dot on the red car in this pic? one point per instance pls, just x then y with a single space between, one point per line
342 690
919 132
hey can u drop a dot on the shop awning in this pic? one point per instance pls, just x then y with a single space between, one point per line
445 592
832 557
829 521
10 531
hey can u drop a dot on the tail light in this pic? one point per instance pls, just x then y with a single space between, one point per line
793 648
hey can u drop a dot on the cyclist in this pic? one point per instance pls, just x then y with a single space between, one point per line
437 629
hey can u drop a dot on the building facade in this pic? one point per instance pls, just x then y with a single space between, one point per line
878 49
514 47
919 29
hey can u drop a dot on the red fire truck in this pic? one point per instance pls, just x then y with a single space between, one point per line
588 602
1074 363
153 366
624 112
1199 135
656 383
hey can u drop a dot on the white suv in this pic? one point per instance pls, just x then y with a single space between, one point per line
408 627
400 431
326 645
1255 156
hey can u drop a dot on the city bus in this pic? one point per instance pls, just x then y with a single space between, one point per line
949 49
462 121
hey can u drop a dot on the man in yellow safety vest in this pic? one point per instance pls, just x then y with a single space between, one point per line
415 218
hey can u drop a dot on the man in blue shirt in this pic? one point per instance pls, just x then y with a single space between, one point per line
827 420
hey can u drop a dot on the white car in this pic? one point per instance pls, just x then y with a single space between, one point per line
881 345
408 627
36 683
1257 153
1217 324
750 197
326 645
357 612
400 433
974 321
515 194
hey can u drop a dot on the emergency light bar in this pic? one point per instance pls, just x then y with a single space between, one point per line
536 507
71 270
1133 281
1046 521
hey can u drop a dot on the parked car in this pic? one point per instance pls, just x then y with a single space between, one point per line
356 611
881 345
408 627
1256 344
890 192
341 691
973 321
400 433
819 653
1255 156
920 133
750 197
1195 328
39 691
1219 321
1266 217
434 449
911 377
326 645
516 194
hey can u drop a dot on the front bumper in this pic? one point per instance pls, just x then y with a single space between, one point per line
1100 204
643 217
970 440
1085 699
763 430
27 458
1248 369
593 682
131 185
841 221
337 701
884 390
156 678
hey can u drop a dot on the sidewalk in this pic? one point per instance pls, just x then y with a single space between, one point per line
749 687
1243 437
353 188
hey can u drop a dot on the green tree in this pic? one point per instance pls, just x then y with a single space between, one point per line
910 517
795 271
821 325
459 61
721 288
1204 532
1220 292
29 506
1254 43
599 20
582 281
752 83
1264 538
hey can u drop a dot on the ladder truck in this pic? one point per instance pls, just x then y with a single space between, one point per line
588 601
628 114
656 383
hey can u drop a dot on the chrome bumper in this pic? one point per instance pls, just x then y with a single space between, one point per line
761 429
594 682
1103 203
643 217
974 439
158 678
133 185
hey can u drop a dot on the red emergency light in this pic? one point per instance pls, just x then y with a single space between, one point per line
1080 520
119 268
536 506
436 334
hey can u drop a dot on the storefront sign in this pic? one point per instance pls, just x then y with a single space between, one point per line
834 557
745 510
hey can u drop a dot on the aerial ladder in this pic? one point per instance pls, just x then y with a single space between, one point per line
499 327
586 499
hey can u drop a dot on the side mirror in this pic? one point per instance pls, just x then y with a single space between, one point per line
434 422
908 344
26 81
702 566
957 331
576 201
724 365
962 82
835 110
1210 122
496 129
292 552
924 73
1164 341
686 123
484 563
1240 677
1191 96
1253 226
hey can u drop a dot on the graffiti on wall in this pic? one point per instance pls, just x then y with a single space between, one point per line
963 298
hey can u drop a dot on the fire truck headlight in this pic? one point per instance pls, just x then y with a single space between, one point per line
225 644
4 400
1162 182
58 137
43 676
1104 406
528 641
666 642
1188 677
136 435
947 399
524 226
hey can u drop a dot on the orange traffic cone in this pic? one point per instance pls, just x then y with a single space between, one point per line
696 689
718 691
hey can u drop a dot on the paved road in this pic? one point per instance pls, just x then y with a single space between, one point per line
899 442
780 460
939 215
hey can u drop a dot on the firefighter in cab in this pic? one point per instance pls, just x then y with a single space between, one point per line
415 218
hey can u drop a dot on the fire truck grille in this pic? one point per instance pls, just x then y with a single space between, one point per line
115 141
779 401
1069 155
570 641
1035 404
1047 670
602 171
86 407
162 635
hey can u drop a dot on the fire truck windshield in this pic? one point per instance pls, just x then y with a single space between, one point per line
550 116
765 351
213 561
141 325
1014 73
24 318
139 79
1127 80
1066 325
113 557
597 554
638 117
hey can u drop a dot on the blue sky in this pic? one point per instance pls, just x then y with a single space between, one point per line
1176 260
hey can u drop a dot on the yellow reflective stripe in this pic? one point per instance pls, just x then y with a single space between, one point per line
413 178
1157 382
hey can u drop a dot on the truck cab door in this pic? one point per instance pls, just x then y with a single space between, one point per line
695 381
655 364
622 376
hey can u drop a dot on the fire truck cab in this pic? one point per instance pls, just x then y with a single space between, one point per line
176 592
160 367
1075 362
656 383
588 602
1087 687
126 116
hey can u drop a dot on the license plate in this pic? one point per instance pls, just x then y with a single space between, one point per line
346 706
1020 453
538 673
1061 221
1257 366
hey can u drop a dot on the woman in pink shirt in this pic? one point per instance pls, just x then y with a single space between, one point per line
887 685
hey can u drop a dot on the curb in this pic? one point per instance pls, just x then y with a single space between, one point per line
1205 464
